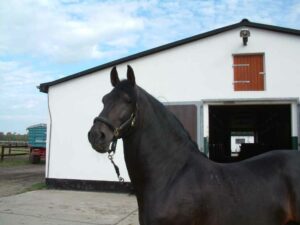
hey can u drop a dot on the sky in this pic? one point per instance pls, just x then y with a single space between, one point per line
43 40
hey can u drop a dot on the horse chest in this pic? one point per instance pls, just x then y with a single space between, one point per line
169 209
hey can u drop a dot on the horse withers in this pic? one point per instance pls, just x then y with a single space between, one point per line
178 185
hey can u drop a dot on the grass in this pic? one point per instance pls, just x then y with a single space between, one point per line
12 161
36 186
17 160
15 150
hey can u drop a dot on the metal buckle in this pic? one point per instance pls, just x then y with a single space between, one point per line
117 132
133 121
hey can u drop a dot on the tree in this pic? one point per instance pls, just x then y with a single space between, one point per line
2 135
9 136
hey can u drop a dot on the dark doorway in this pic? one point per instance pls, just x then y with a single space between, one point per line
238 132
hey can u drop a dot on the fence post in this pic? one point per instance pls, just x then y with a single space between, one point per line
9 148
2 152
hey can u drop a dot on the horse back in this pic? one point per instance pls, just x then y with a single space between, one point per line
280 164
268 183
281 168
262 190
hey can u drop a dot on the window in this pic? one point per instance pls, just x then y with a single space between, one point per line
249 72
238 139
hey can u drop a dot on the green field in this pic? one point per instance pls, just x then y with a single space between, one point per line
21 157
15 150
15 161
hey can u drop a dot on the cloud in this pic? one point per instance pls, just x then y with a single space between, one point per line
74 31
65 32
17 78
20 101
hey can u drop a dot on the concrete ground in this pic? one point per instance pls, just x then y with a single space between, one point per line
54 207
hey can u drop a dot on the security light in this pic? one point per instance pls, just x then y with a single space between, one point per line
245 33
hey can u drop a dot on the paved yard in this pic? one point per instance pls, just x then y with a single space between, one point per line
53 207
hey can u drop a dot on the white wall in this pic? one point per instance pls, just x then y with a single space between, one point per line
192 72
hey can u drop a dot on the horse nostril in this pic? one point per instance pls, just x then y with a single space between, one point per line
102 135
94 136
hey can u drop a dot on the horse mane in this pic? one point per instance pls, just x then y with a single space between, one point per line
169 118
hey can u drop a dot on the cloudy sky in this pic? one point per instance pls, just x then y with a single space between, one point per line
42 40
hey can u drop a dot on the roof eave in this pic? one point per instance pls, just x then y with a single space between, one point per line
44 87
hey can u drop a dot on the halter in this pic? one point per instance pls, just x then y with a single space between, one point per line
116 131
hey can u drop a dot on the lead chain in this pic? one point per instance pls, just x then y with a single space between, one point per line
111 158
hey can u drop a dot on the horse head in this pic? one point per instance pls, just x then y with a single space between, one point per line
118 114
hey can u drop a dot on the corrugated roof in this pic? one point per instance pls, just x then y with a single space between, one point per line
244 23
37 125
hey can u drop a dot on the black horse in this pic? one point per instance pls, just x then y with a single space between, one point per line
178 185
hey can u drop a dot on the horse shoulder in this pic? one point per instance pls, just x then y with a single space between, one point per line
187 198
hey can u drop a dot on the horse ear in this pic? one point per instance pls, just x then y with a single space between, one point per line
114 78
130 75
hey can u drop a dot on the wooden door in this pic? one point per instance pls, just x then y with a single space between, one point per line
248 72
187 115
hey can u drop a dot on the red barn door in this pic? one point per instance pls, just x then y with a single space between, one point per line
248 72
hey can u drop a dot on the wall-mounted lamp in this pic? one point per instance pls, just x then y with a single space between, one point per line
245 33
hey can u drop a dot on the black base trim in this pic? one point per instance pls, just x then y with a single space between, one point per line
89 185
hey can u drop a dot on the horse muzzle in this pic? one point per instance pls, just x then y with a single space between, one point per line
97 143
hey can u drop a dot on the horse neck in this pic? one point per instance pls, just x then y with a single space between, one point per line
158 148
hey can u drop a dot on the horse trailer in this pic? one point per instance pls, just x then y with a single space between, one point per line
37 142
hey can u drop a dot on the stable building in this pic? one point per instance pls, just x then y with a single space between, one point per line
236 90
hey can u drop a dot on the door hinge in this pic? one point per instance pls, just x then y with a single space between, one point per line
240 65
241 82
